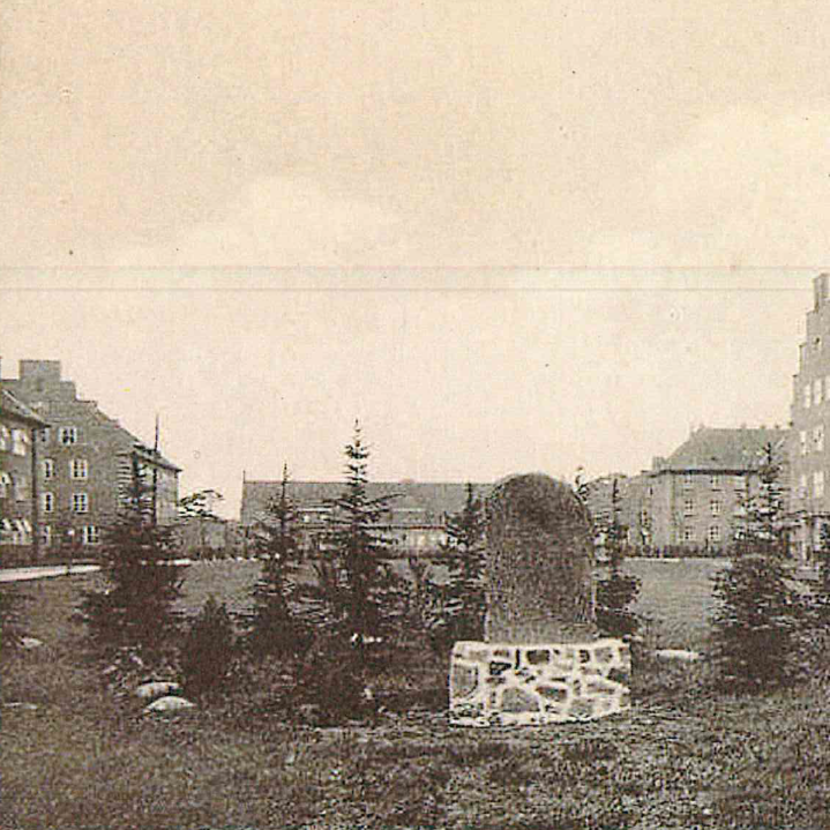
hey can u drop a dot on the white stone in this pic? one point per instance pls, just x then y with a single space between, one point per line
157 688
30 642
677 654
171 703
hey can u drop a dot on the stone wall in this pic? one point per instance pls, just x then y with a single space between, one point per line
497 684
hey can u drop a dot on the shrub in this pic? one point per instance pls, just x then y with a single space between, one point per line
207 654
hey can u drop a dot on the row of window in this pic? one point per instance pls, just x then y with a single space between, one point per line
814 440
15 441
817 485
713 534
78 469
716 482
715 507
815 393
66 435
80 502
89 535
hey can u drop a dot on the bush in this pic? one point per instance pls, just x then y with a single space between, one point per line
755 634
208 651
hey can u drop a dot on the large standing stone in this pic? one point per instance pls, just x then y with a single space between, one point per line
541 662
539 563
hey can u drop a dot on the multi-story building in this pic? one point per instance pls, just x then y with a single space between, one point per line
415 524
695 499
19 426
809 465
85 460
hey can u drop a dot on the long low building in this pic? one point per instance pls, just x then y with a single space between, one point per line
416 522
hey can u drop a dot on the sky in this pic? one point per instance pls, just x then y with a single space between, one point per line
460 162
453 376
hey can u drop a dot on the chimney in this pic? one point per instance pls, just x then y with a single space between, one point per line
821 290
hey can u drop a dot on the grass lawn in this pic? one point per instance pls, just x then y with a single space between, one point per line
682 758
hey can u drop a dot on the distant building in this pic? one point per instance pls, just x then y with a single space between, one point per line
416 523
694 499
19 426
810 488
84 460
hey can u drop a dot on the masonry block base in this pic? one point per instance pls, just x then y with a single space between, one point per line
498 684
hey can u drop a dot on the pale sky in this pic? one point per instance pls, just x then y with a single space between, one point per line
454 375
141 142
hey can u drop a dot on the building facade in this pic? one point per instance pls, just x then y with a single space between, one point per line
84 460
694 500
810 414
19 427
416 523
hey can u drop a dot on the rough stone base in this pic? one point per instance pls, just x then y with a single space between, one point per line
498 684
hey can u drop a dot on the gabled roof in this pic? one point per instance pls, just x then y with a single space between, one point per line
13 406
724 449
427 500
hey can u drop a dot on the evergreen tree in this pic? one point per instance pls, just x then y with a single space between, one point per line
273 629
198 506
462 597
208 650
135 610
361 585
756 627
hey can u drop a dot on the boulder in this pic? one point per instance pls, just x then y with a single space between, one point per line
30 642
170 703
157 688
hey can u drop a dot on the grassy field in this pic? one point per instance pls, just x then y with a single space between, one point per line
76 757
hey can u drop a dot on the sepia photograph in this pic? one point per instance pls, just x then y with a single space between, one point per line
412 416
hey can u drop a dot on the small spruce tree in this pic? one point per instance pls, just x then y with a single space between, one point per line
461 599
208 652
135 609
273 628
756 627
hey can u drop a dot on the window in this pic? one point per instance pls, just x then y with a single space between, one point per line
644 518
688 534
78 468
90 535
44 435
68 436
80 503
688 481
5 481
48 468
688 507
817 392
807 396
802 439
818 484
740 481
46 535
714 507
715 482
19 441
714 533
818 438
19 484
47 502
4 437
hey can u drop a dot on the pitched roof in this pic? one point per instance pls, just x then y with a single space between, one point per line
425 500
723 449
12 405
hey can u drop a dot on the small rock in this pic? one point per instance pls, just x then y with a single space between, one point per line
171 703
157 688
30 642
28 707
109 669
677 654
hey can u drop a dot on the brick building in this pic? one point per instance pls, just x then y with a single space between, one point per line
416 522
84 459
19 426
810 413
694 499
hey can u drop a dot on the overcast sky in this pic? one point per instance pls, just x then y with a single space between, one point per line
454 376
368 136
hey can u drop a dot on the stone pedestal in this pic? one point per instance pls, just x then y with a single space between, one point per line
501 684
